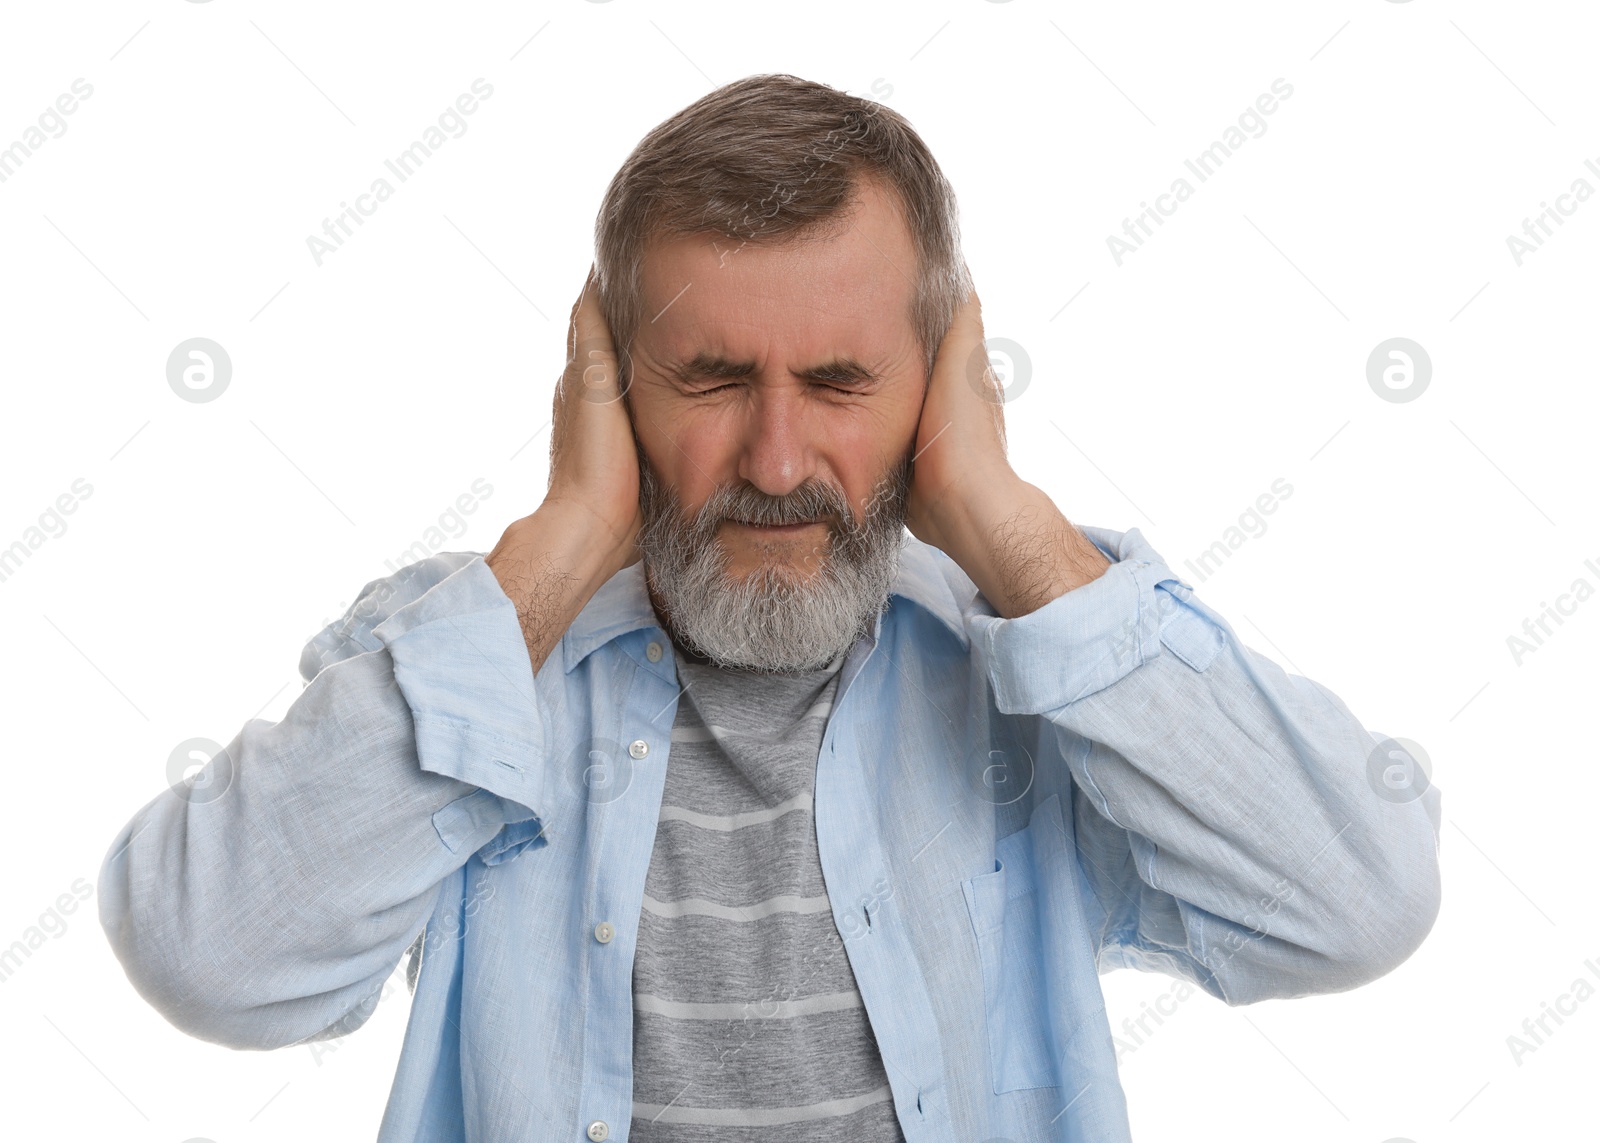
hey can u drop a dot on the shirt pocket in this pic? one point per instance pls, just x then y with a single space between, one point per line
1005 911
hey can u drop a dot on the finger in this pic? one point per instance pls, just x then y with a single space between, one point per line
588 319
965 328
572 316
591 356
963 356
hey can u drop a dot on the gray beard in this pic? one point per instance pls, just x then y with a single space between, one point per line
774 619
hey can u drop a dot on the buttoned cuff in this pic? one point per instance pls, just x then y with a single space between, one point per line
462 664
1090 637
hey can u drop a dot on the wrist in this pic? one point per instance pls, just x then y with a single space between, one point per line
576 540
549 565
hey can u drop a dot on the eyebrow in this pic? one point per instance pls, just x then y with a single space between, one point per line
841 370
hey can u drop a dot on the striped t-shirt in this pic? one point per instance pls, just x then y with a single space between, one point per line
747 1022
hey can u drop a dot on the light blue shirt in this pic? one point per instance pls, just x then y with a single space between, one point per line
1004 809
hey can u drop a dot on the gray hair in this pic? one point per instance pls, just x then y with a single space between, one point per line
769 159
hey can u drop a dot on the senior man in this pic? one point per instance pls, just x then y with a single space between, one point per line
711 806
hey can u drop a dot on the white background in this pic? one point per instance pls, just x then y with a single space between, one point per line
369 392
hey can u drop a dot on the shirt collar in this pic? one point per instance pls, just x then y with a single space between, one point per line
927 578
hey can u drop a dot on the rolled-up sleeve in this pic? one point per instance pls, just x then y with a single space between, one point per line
266 902
1235 825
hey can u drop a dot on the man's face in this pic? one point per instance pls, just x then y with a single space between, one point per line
781 383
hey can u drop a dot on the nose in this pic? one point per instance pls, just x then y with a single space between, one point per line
776 454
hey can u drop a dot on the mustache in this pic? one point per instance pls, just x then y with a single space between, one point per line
666 523
746 504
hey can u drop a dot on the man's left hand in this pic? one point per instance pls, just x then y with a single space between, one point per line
965 499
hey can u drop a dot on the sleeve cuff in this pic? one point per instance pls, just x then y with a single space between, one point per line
462 664
1090 637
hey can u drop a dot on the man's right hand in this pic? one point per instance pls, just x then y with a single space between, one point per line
552 562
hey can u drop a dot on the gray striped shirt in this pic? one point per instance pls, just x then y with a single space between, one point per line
747 1023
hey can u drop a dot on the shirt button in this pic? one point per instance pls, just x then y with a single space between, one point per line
598 1130
653 652
638 748
603 932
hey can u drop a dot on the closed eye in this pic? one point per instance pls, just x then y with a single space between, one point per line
844 376
846 385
